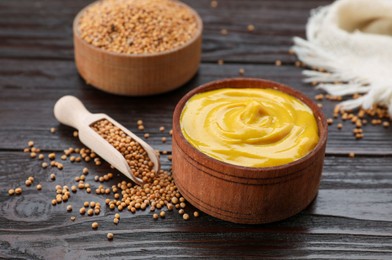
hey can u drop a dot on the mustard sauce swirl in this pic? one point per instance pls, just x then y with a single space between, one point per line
249 126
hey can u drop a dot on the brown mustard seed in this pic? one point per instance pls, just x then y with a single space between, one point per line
110 236
138 27
94 225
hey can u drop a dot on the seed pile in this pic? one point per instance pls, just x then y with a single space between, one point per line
158 195
137 26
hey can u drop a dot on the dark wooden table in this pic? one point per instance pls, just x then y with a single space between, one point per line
350 219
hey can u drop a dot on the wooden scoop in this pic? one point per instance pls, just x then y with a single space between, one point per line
70 111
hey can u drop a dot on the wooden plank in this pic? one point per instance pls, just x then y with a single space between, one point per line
346 220
30 29
30 88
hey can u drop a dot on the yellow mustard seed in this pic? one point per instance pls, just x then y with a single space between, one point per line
30 143
52 156
75 133
54 202
162 129
250 27
155 216
90 212
69 208
117 215
162 214
33 155
39 187
28 183
185 216
181 211
196 214
44 165
278 63
94 225
11 192
110 236
82 211
53 130
115 221
73 218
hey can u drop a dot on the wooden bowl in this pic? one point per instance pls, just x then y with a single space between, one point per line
138 74
245 194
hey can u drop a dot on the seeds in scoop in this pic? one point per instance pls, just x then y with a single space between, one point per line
11 192
185 216
94 225
110 236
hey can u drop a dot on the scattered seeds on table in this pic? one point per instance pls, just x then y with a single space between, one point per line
69 208
196 214
52 156
164 139
52 176
44 165
53 130
278 63
214 4
162 129
110 236
162 214
185 216
224 31
220 62
11 192
75 134
30 143
351 155
155 216
94 225
241 71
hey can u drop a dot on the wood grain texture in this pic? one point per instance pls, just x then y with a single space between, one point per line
349 219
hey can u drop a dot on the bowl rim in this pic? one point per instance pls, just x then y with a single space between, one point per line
195 37
265 84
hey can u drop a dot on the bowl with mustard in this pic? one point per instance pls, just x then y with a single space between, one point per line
248 150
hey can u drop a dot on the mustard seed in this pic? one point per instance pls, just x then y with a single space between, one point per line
39 187
182 205
94 225
196 214
140 127
117 215
110 236
171 132
214 4
278 63
163 139
146 135
28 183
329 121
75 134
181 211
224 31
185 216
33 155
44 165
82 211
241 71
340 126
63 157
351 155
90 212
54 202
162 214
386 124
115 221
250 27
30 143
11 192
162 129
73 218
52 156
69 208
52 130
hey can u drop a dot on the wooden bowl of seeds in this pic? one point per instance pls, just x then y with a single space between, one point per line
137 47
243 194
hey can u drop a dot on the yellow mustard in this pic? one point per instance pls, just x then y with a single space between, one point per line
249 127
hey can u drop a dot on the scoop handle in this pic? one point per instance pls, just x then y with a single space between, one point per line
70 111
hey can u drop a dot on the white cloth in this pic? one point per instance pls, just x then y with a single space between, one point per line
352 40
